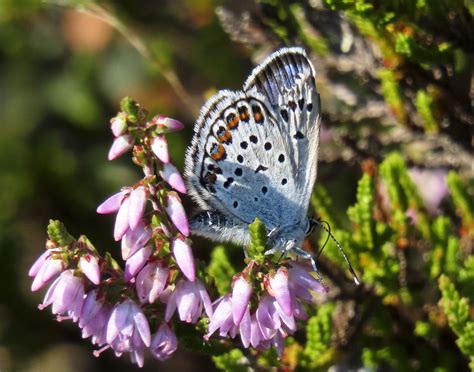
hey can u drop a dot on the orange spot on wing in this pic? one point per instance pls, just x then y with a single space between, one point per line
225 136
218 152
258 117
244 113
232 121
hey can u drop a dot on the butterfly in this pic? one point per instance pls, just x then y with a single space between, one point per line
254 154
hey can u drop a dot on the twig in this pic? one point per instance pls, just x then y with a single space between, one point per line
134 39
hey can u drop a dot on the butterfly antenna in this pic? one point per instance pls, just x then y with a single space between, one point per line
326 227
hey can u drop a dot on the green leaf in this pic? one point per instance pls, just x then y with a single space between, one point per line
425 106
131 108
462 199
233 361
454 306
317 351
258 239
221 270
58 234
362 213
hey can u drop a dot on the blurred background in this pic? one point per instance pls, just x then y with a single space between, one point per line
392 77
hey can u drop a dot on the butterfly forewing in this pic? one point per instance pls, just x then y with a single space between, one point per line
287 79
254 152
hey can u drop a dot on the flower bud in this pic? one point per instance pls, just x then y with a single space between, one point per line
133 240
112 204
172 176
176 212
240 299
50 267
281 291
118 125
159 147
184 258
90 267
164 122
120 146
121 221
137 206
136 262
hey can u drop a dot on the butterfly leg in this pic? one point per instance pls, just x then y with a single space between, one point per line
302 253
273 232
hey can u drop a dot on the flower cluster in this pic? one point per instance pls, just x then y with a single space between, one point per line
263 307
119 307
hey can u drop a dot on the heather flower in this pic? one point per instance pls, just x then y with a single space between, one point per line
432 186
189 298
46 267
127 328
274 316
302 283
135 263
129 205
241 292
256 336
245 328
122 220
151 281
159 146
133 240
221 318
163 122
183 255
120 146
90 267
112 204
94 317
280 290
136 207
164 343
118 125
172 176
128 331
176 212
66 295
